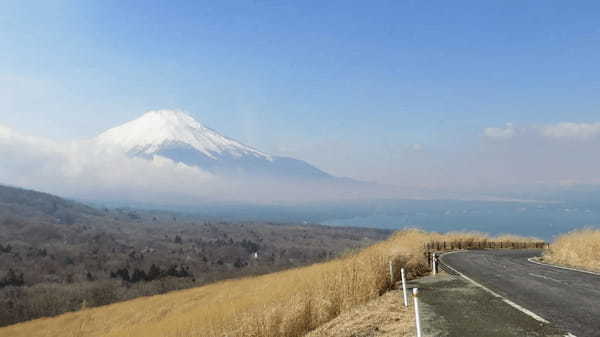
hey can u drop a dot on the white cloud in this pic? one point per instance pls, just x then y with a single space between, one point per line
415 147
5 132
562 131
502 133
82 169
571 131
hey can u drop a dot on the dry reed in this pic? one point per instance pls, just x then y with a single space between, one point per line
580 248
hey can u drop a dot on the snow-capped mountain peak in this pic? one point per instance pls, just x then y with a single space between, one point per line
158 130
179 137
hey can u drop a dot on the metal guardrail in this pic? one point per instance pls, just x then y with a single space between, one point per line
482 244
447 269
433 248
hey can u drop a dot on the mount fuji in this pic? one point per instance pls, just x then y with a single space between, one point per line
179 137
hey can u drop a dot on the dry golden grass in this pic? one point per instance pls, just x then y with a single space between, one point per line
580 248
285 304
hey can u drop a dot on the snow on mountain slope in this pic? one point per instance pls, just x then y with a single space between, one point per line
177 136
156 130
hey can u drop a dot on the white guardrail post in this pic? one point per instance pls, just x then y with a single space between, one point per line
391 273
404 288
434 264
417 317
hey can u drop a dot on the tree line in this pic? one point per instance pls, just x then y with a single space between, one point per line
153 273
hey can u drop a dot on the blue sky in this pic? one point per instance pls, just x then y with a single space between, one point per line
305 78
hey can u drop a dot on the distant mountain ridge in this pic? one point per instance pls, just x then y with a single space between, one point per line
179 137
31 203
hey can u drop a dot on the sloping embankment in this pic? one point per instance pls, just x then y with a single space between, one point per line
284 304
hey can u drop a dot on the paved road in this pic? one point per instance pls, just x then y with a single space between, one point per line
568 299
453 307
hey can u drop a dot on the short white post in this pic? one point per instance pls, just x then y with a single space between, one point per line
404 288
434 264
417 317
391 273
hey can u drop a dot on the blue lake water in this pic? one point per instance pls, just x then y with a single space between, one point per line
540 220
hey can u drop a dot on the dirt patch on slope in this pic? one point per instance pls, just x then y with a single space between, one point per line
384 317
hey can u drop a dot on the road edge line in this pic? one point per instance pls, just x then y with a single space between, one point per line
533 260
504 299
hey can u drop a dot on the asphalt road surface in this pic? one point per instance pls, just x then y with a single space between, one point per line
451 306
568 299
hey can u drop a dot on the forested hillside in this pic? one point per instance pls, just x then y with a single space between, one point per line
58 255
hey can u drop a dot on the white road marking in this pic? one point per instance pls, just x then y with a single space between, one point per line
507 301
545 277
570 335
533 260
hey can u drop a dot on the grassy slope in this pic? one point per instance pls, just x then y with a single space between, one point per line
580 248
288 303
